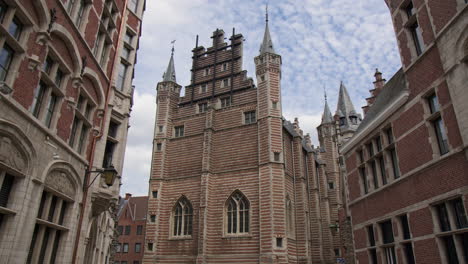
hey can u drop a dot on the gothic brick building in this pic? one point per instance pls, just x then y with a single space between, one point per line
237 183
407 168
65 98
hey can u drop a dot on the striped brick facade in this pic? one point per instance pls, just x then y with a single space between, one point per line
222 153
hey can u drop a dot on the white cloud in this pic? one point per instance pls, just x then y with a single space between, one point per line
321 43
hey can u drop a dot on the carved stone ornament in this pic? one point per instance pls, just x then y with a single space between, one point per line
11 155
59 181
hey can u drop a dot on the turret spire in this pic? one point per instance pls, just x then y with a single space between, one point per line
267 45
327 116
170 74
349 118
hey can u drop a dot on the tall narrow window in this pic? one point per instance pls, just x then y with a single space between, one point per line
371 245
73 132
389 134
388 240
5 189
374 174
183 218
121 76
395 167
133 5
80 14
38 99
6 57
50 109
383 175
362 172
416 34
237 214
15 28
289 217
438 124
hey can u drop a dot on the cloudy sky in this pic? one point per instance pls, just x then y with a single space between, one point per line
321 43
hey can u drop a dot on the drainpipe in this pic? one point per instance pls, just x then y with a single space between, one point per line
96 138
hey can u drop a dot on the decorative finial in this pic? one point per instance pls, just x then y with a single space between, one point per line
172 42
266 12
325 92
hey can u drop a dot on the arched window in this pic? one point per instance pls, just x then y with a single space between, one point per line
237 214
289 216
183 218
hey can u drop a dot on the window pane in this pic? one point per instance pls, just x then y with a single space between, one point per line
382 170
450 250
50 109
387 232
433 103
409 255
396 169
460 215
370 236
374 174
364 179
15 28
58 77
405 227
441 136
5 61
444 222
121 76
73 132
38 98
6 189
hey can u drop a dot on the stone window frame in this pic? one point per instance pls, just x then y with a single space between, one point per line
383 246
176 134
181 233
413 29
17 45
250 121
225 66
202 107
405 243
83 114
48 225
248 225
203 88
225 101
432 116
53 65
226 82
454 232
73 12
290 217
371 244
365 157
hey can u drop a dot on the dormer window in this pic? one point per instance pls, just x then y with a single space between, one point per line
342 121
353 119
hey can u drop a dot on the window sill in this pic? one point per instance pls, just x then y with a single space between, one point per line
452 232
50 224
7 211
238 236
175 238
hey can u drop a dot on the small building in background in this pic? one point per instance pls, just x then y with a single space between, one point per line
131 227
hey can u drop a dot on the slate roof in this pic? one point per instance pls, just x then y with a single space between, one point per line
170 74
137 205
327 116
267 44
392 90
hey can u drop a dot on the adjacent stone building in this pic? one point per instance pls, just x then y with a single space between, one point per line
131 228
407 168
65 97
236 182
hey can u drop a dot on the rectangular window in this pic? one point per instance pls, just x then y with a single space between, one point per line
378 141
225 67
113 129
444 222
5 190
121 76
405 227
250 117
126 53
38 99
409 254
150 246
58 77
450 249
374 174
125 248
6 57
127 230
383 175
370 149
373 256
225 83
120 230
158 146
80 14
331 185
396 169
203 107
416 34
153 218
276 156
160 129
15 28
203 88
459 213
361 156
3 9
137 247
155 194
433 104
128 38
47 65
370 236
70 4
441 135
225 102
274 105
387 232
179 131
362 172
139 230
389 135
103 58
108 154
133 5
206 72
50 109
97 43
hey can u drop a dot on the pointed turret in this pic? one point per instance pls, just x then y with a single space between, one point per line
327 116
267 44
170 75
349 118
